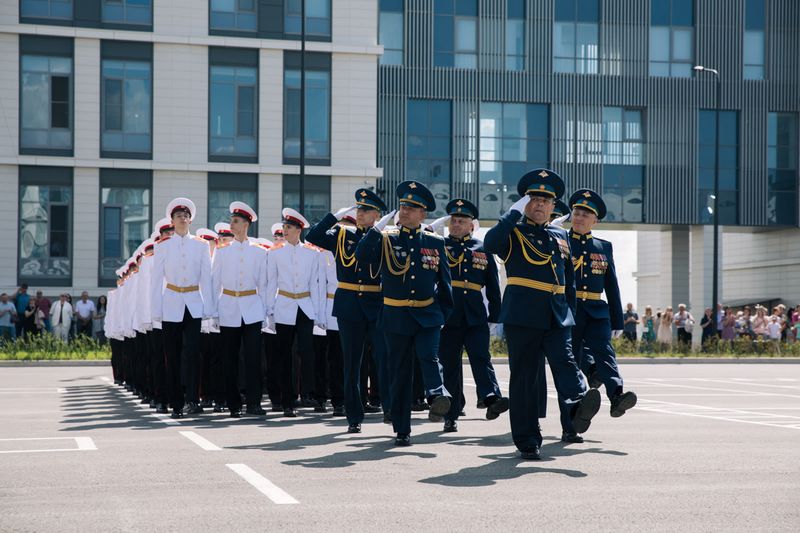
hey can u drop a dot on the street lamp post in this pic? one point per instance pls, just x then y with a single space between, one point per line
302 199
715 273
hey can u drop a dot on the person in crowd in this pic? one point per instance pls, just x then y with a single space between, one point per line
61 317
729 325
84 314
21 299
101 308
684 321
719 319
760 323
33 320
631 320
648 328
744 324
707 327
795 320
44 304
8 319
774 329
665 322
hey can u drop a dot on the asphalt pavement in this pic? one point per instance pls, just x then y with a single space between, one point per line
708 448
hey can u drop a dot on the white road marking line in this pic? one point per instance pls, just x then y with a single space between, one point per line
83 444
750 383
262 484
106 379
200 441
742 392
717 413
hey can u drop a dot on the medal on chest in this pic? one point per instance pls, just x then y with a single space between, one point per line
429 258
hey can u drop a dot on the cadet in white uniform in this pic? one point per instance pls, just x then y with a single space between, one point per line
163 229
294 300
239 277
181 295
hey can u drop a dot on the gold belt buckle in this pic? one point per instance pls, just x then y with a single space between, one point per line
412 303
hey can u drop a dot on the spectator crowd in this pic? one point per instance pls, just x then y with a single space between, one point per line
23 315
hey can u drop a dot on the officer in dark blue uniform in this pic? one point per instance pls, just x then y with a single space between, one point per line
537 309
472 271
358 299
417 299
593 261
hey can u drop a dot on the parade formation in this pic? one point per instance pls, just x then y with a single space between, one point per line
374 307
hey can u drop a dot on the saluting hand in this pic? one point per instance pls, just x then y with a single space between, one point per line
520 204
343 211
379 225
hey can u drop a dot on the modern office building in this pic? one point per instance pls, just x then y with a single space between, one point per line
109 108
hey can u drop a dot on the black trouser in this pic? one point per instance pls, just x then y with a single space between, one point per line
116 360
84 328
212 367
248 338
370 393
303 330
684 337
158 366
269 342
179 337
143 364
630 335
328 369
129 360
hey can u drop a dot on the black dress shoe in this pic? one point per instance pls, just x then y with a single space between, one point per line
402 439
419 405
153 403
193 409
320 409
440 405
145 400
206 403
369 408
161 409
290 413
255 411
354 428
338 410
218 408
585 410
594 381
530 454
307 402
236 414
276 408
622 402
450 426
387 419
571 438
480 404
497 407
176 414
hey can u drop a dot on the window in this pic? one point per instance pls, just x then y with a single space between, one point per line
224 188
728 165
390 32
455 34
578 135
233 105
318 18
46 9
45 225
754 26
46 96
782 160
671 38
233 16
575 36
428 146
126 100
135 12
514 138
515 35
623 163
317 196
317 108
125 214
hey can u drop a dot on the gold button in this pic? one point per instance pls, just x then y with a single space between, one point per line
584 286
360 294
410 236
412 263
412 291
465 292
411 249
412 277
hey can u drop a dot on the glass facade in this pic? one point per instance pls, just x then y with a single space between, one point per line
125 214
46 9
136 12
514 138
317 108
455 33
127 94
233 117
623 163
224 188
45 225
428 146
317 197
318 18
754 40
782 162
390 32
233 15
576 32
728 166
515 35
671 38
46 103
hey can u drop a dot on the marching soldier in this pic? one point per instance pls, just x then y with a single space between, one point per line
294 301
277 233
473 272
537 309
181 295
239 280
358 299
595 273
417 299
164 229
201 390
142 311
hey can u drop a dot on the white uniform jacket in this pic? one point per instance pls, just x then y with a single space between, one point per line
293 280
328 263
240 267
181 278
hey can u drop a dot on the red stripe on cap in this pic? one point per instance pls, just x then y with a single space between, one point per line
166 226
180 208
208 237
295 220
242 212
224 232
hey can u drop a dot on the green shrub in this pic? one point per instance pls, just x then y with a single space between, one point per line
49 347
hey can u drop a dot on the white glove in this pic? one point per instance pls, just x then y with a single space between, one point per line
438 224
379 225
157 323
520 204
342 212
271 322
215 323
559 222
321 325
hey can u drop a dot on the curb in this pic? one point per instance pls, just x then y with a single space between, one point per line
69 362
